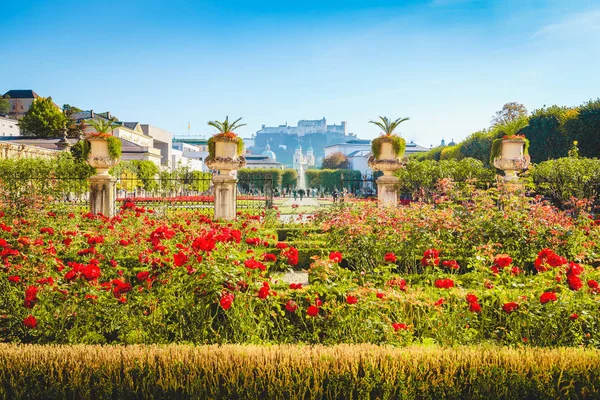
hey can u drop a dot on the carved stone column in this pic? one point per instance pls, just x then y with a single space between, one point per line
103 189
103 195
226 160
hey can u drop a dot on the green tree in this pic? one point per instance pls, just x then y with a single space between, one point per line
510 112
548 132
587 129
4 105
74 128
289 178
43 119
336 160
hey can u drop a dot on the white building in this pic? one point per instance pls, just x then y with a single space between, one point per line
196 153
9 127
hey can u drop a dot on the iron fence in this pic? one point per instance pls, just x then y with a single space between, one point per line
21 192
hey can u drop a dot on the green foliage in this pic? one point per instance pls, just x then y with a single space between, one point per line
254 178
549 132
289 178
101 125
387 125
421 178
566 178
114 146
43 119
336 160
398 144
329 179
30 183
587 129
226 126
143 173
4 105
509 113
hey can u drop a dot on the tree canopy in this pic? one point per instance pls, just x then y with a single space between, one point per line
510 112
43 119
4 105
336 160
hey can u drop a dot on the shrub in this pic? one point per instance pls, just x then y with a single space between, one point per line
349 371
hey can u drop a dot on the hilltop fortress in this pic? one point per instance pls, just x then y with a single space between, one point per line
284 139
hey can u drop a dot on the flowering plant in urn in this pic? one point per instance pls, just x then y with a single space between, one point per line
510 153
225 147
388 149
101 149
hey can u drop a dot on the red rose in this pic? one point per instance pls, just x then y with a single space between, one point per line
444 283
14 278
312 311
291 306
591 284
502 260
180 259
351 300
475 307
226 301
335 256
439 302
510 307
574 282
142 276
471 298
451 264
30 322
573 317
547 296
267 257
389 257
398 327
380 295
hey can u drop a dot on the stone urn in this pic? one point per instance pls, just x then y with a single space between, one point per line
226 158
99 156
512 158
388 162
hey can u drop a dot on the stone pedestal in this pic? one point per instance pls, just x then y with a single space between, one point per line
225 196
387 190
103 195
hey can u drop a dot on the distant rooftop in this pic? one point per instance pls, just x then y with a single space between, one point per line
21 94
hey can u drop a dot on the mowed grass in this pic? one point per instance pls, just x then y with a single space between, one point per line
296 372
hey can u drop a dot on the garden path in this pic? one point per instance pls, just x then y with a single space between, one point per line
307 201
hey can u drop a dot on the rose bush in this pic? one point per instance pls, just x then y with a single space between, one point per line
447 273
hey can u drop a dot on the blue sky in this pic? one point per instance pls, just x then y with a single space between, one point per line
446 64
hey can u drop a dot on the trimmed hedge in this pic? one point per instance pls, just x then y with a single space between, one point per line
297 372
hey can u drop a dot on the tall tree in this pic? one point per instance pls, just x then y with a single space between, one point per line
4 105
336 160
509 113
43 119
74 128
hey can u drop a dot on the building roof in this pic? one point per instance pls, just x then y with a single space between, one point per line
359 153
190 140
21 94
89 114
